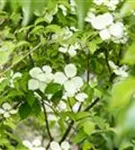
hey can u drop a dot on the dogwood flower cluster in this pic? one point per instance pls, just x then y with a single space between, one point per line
119 71
40 78
70 49
56 146
71 82
6 110
34 145
108 28
65 33
110 4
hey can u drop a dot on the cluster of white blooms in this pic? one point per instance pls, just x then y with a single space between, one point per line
65 33
71 82
14 76
6 110
73 6
70 49
34 145
107 27
79 97
56 146
119 71
40 78
111 4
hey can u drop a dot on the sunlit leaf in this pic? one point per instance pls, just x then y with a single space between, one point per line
122 92
129 57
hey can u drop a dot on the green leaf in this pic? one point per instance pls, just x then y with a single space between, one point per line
127 8
57 97
36 108
80 136
82 115
53 28
27 11
129 57
52 88
24 110
6 50
88 127
87 146
30 99
82 9
122 92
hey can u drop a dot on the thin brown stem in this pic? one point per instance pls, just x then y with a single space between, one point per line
47 124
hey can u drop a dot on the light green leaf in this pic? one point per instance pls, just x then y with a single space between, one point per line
122 92
129 57
127 8
82 9
88 127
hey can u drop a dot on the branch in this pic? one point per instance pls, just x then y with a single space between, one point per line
72 121
46 121
92 104
106 59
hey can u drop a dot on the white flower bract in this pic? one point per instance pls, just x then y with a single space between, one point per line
81 97
33 84
70 70
102 21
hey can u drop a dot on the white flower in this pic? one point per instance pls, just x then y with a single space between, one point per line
105 34
70 70
60 78
33 84
116 29
64 48
47 69
90 17
67 33
34 145
36 142
72 52
62 105
76 107
72 83
55 146
13 76
6 106
81 97
120 71
64 9
40 78
102 21
7 110
65 145
34 72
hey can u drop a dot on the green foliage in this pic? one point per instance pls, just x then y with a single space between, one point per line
91 103
129 57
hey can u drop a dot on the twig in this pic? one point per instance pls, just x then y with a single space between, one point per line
106 59
27 54
72 121
92 104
